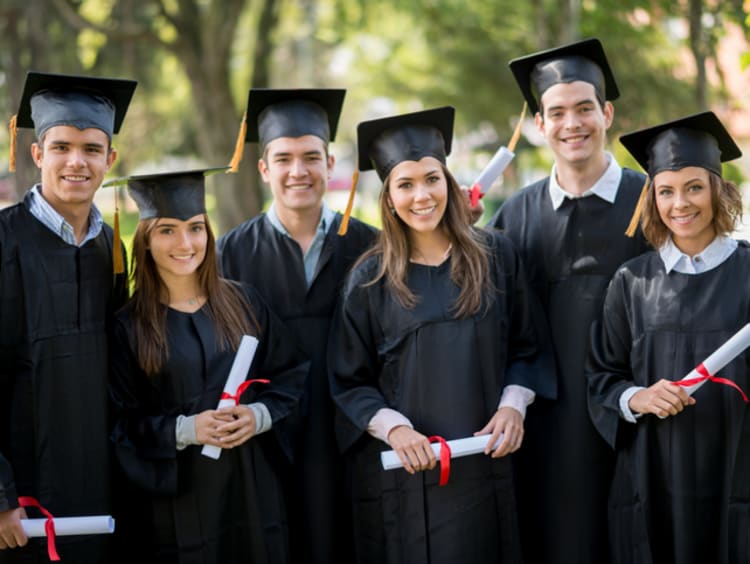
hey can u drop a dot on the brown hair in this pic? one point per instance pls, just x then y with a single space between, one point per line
726 203
469 253
225 304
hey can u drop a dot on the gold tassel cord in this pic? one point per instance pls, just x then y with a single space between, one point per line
239 146
12 127
633 225
517 131
348 212
117 259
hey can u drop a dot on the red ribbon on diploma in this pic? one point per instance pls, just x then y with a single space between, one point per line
49 525
241 389
704 375
475 194
445 458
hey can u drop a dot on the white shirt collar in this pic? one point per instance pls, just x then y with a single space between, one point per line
606 187
720 249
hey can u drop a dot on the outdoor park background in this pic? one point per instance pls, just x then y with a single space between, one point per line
195 61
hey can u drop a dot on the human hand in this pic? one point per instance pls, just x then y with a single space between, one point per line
476 211
207 424
11 531
413 449
663 398
507 421
239 429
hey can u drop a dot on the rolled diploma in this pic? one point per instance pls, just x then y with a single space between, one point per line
67 526
459 447
722 356
237 374
494 168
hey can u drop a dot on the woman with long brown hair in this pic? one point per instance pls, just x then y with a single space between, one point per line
174 345
435 337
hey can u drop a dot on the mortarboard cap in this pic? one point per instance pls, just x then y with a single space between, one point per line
697 140
384 143
583 60
179 194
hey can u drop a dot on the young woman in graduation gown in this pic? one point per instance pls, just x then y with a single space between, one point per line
174 346
434 337
681 492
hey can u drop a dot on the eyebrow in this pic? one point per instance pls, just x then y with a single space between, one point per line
690 181
577 104
289 153
68 143
426 174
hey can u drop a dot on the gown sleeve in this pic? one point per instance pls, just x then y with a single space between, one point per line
144 442
608 367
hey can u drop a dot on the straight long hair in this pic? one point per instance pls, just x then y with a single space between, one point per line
726 203
225 304
469 253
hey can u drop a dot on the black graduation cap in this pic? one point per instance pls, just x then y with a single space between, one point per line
696 140
178 194
273 113
81 101
384 143
583 60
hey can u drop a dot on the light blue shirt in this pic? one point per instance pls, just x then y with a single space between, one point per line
720 249
312 255
50 218
606 187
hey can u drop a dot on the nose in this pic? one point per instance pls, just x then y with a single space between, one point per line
681 200
572 120
298 168
75 158
422 192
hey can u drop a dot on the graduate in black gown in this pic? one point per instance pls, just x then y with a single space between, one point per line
681 492
58 291
296 259
569 229
174 344
435 337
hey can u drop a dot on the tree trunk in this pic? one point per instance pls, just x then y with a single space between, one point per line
698 48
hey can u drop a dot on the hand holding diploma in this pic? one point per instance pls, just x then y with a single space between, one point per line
496 166
12 534
458 448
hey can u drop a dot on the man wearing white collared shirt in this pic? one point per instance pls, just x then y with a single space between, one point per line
569 229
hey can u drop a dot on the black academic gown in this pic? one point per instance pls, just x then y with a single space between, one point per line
256 253
195 509
446 375
56 301
681 491
564 468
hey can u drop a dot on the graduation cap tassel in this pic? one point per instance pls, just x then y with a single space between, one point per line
117 259
239 146
630 231
348 212
13 133
517 131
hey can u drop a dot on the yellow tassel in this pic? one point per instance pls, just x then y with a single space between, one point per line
117 259
239 146
638 210
13 132
348 212
517 131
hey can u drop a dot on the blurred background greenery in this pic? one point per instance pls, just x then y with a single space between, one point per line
196 59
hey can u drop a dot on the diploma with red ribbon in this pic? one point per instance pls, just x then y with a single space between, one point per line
444 450
707 370
233 387
498 163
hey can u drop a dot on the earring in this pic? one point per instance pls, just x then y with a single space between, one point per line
393 211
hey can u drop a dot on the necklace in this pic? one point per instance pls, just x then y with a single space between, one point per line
421 259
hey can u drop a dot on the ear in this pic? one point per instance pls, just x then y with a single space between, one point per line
263 169
331 163
539 122
609 114
36 154
111 157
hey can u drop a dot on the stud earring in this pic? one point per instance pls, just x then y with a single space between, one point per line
393 211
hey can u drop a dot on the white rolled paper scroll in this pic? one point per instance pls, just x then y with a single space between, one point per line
459 447
68 526
237 374
494 168
722 356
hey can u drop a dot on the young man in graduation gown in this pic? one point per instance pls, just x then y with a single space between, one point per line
570 231
295 257
58 289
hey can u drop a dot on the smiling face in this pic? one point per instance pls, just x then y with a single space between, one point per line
73 164
297 170
178 247
574 123
684 202
418 193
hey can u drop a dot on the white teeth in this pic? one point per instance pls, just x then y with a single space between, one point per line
305 187
74 178
684 219
574 139
424 212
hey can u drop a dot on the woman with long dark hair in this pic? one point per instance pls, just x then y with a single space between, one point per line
435 337
174 345
680 491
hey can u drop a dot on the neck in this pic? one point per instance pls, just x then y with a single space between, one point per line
429 248
183 292
301 224
77 215
693 247
577 179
